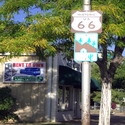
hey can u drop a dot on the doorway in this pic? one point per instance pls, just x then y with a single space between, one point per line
77 103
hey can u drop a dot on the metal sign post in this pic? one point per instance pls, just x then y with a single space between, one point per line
86 75
86 24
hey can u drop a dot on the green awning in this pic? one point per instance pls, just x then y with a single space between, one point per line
68 76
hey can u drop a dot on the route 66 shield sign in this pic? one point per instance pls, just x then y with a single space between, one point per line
86 22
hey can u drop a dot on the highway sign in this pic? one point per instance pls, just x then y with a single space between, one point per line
86 22
86 47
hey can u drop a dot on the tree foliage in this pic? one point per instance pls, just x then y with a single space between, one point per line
39 31
95 72
119 79
118 96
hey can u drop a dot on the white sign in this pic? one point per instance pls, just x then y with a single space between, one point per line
86 47
24 72
86 22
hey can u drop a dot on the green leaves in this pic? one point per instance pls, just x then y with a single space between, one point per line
117 96
96 96
113 18
11 6
119 80
117 29
42 29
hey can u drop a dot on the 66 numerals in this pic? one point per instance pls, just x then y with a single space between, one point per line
82 26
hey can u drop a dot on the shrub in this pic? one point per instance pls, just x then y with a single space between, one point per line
7 103
117 96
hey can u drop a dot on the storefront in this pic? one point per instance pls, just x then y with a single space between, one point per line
45 90
69 93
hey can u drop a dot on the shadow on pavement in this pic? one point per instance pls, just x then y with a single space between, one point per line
115 120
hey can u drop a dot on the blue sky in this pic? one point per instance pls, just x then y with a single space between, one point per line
21 15
113 47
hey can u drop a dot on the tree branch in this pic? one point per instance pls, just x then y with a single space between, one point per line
103 62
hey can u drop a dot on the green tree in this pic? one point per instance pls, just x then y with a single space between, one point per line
118 96
45 33
43 37
95 72
113 33
119 79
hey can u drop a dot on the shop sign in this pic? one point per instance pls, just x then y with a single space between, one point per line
24 72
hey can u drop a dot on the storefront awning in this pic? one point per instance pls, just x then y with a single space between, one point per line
68 76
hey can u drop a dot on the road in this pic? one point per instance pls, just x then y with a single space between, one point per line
116 119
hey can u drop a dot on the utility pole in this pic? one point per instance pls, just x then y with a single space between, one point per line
86 75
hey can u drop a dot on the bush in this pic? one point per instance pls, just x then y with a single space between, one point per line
117 96
7 103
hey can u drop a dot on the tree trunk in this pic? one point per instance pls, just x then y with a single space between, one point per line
107 71
105 108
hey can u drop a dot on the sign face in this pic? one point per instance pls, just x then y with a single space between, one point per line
24 72
86 22
86 47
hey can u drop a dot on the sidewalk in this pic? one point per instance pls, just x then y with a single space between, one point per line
116 119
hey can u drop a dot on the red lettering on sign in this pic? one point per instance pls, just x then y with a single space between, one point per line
37 65
18 64
28 64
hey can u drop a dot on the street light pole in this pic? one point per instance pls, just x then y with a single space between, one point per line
86 76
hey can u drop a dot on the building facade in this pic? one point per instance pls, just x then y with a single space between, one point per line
56 96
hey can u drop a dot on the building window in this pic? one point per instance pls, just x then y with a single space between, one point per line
64 98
